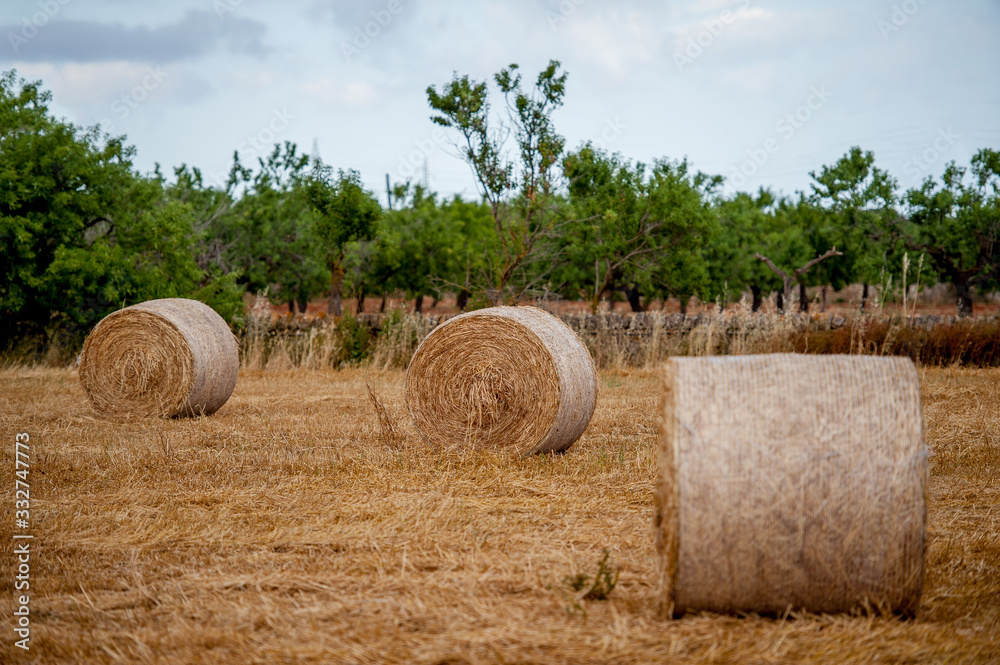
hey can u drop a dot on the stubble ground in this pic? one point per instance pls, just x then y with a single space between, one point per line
286 528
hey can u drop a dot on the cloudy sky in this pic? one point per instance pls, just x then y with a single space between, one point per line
759 92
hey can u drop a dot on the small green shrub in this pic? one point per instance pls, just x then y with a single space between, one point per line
355 340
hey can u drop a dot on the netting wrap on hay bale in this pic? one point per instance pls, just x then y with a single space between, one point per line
166 358
791 482
503 377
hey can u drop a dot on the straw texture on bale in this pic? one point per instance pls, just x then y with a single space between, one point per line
505 377
160 358
791 482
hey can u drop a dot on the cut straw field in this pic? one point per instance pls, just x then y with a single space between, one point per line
290 526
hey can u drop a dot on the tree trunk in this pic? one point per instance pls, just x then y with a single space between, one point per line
462 300
781 300
796 276
434 303
963 299
595 303
361 302
684 304
418 304
381 308
303 303
336 285
634 298
291 306
864 296
755 293
604 285
823 308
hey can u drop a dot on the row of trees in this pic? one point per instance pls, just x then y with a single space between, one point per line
83 232
586 223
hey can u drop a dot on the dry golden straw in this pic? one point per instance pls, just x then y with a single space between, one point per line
503 377
791 482
160 358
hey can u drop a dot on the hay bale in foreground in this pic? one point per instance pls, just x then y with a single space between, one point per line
160 358
791 481
503 377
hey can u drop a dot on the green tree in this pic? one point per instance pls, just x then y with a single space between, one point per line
210 206
428 246
270 235
634 227
744 219
789 247
81 233
345 212
861 199
957 223
683 199
521 192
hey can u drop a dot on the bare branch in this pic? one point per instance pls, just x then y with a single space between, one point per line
770 264
800 271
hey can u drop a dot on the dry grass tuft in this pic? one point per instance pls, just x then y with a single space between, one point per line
645 340
282 529
388 433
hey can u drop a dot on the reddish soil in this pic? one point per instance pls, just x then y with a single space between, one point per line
840 302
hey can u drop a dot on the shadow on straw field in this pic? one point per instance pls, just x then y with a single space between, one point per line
289 528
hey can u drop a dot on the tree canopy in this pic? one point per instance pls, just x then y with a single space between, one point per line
83 232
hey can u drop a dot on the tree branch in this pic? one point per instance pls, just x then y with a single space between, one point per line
831 252
770 264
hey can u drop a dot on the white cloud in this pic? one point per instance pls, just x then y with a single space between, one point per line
258 79
708 6
753 23
614 41
92 84
753 78
620 56
354 93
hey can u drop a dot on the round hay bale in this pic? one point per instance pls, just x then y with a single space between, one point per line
503 377
160 358
791 482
